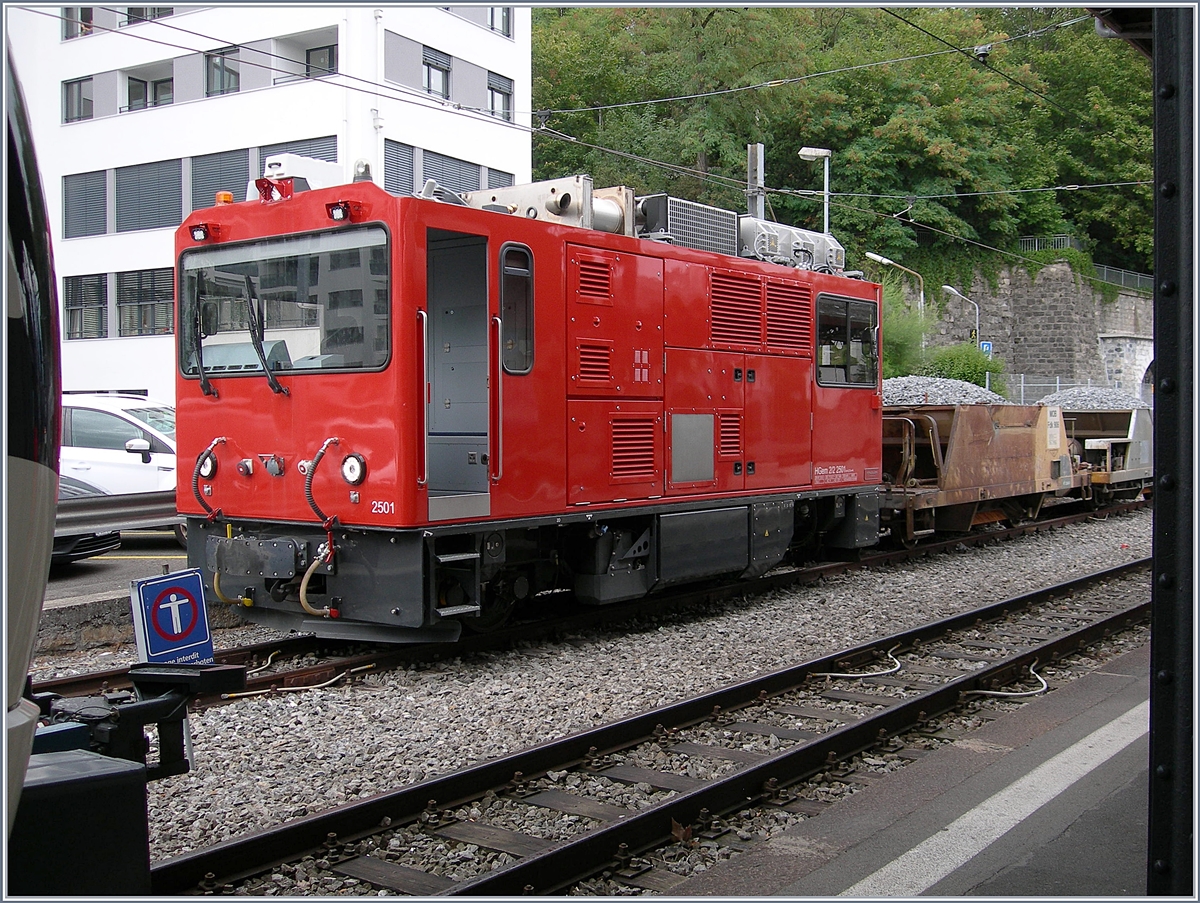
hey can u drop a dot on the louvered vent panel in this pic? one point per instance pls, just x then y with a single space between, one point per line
731 435
633 449
736 310
595 363
789 316
595 279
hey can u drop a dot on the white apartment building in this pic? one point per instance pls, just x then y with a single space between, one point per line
140 114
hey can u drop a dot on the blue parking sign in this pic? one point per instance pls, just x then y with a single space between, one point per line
986 348
170 621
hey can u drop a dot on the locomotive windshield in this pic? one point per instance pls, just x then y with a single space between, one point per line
306 302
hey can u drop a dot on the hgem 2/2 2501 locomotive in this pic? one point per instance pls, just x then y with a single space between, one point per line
409 413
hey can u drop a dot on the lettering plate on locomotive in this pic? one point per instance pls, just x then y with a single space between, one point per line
256 557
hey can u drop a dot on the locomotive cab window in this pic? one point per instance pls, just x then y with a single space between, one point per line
303 303
516 308
847 332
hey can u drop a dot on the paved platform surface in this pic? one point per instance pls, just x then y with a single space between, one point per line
1047 801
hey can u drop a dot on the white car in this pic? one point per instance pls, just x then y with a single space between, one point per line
118 443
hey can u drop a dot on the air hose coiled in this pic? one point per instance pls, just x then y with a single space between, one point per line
212 515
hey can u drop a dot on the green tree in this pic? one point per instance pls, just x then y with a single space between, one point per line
941 153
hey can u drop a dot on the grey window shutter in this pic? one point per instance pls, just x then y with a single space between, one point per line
150 196
452 173
500 83
85 204
317 148
498 178
435 58
228 171
398 169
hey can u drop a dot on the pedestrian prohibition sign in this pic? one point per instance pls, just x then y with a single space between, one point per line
170 621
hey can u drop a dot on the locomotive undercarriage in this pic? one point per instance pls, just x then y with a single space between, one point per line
426 585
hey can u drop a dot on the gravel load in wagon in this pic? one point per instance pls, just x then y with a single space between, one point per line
913 390
1085 398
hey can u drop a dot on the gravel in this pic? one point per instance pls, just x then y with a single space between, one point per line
1093 398
911 390
268 759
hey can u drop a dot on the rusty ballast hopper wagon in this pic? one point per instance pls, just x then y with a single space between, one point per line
1115 450
948 468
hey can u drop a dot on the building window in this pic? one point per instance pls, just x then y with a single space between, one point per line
500 19
399 171
85 301
321 61
149 196
85 204
500 91
77 21
498 178
137 95
451 172
135 14
77 100
317 148
162 91
145 302
225 171
435 76
221 72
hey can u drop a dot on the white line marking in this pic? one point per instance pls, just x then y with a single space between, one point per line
965 837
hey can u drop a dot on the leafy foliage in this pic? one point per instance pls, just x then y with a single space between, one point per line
903 331
967 363
941 154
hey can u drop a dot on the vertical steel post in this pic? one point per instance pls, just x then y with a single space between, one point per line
1171 857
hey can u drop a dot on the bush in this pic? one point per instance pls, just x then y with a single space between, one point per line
903 330
967 363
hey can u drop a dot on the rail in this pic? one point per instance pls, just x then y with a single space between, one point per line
105 513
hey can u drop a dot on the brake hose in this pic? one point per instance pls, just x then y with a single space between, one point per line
328 523
212 515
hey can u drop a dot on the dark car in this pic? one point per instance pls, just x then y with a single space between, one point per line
85 545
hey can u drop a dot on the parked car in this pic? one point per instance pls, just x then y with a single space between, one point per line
85 545
119 443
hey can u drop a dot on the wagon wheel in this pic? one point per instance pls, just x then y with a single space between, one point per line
500 598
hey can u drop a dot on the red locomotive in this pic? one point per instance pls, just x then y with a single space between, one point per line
408 413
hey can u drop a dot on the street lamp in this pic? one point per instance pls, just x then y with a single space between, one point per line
811 155
879 258
953 291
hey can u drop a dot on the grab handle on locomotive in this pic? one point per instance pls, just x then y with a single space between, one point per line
499 371
423 478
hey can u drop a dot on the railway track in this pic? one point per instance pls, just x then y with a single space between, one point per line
305 662
823 714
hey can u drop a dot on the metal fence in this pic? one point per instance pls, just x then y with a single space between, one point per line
1050 243
1115 275
1024 388
1125 278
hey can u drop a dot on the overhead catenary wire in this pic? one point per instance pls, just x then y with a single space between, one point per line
403 95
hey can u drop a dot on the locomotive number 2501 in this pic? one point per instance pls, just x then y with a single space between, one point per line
383 507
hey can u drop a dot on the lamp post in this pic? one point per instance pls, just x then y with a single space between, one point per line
811 155
953 291
879 258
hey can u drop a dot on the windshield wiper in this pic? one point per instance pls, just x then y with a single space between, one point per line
257 331
198 340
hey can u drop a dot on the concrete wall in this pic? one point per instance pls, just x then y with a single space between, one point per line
1056 325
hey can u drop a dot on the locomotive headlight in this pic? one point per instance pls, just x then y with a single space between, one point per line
354 469
208 466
